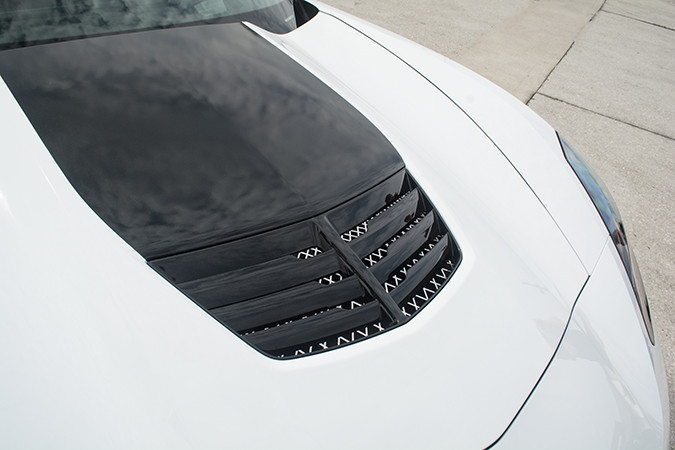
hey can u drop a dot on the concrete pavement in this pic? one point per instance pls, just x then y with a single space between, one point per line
603 74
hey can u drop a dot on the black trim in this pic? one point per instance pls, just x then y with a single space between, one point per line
304 12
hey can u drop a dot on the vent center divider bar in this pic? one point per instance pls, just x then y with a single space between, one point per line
350 258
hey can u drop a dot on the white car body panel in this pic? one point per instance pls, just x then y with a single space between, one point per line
101 352
525 139
104 342
603 388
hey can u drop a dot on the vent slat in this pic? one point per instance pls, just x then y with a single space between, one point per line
245 252
259 280
402 248
363 206
386 224
290 303
315 327
417 273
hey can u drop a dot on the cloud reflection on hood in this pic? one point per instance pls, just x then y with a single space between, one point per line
192 136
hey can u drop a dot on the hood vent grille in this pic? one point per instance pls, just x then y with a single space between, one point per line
356 271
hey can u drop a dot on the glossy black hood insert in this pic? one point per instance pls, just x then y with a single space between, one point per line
354 272
189 137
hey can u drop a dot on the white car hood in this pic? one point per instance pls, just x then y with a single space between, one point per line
100 351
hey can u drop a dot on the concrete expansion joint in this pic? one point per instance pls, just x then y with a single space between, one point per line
549 74
639 20
565 54
670 138
602 7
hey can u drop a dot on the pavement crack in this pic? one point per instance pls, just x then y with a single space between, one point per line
608 117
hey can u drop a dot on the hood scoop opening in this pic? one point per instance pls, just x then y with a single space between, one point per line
358 270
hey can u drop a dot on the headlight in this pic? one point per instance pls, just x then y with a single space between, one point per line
610 215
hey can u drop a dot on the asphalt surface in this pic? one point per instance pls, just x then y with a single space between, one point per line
603 74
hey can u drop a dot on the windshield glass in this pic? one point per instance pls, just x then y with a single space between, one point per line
29 22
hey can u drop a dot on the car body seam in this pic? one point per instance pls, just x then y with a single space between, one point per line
474 122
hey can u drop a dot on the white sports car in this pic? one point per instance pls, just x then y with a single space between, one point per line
267 223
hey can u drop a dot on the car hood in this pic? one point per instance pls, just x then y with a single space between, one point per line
193 136
94 336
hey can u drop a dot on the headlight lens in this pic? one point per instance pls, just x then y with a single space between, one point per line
610 215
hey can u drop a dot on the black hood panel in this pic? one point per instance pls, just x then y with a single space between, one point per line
189 137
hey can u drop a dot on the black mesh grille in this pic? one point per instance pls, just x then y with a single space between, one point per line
353 272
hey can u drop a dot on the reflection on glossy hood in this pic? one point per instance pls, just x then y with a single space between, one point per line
188 137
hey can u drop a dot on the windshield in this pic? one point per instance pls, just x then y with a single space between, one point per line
29 22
